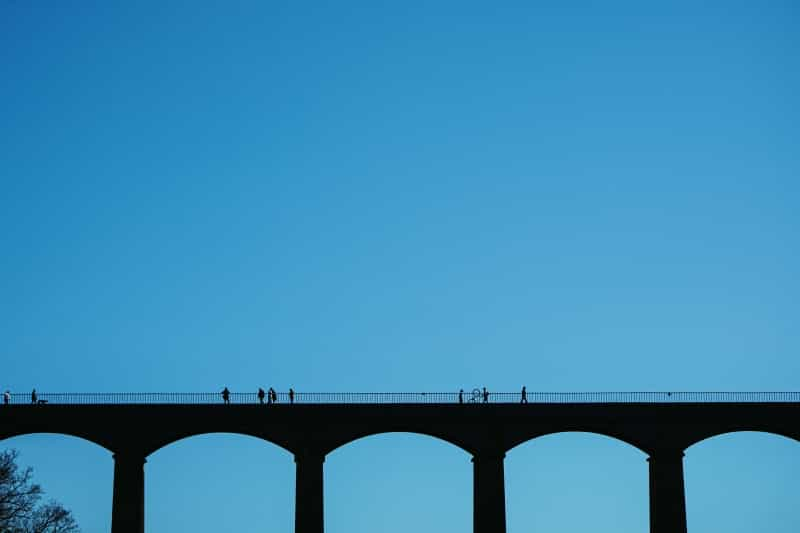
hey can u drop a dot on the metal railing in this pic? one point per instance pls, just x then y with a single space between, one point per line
474 396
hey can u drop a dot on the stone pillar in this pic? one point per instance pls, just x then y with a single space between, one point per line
667 497
308 507
127 514
489 496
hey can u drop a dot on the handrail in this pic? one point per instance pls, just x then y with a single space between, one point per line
473 396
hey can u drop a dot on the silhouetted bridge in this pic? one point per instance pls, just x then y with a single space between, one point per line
660 424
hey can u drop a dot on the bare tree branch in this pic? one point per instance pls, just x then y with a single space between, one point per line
20 510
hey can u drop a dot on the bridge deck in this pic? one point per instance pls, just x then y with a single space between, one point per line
469 396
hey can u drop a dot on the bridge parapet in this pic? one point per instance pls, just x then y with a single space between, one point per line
473 396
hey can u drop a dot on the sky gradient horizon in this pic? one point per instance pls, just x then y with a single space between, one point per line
368 197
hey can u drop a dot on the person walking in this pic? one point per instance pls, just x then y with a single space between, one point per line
524 395
461 396
273 396
291 395
226 396
485 395
7 397
260 395
33 396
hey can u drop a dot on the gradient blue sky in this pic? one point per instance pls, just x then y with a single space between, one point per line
403 196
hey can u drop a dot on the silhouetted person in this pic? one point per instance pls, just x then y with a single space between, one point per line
33 396
461 396
524 396
7 397
291 395
260 395
226 395
273 396
485 395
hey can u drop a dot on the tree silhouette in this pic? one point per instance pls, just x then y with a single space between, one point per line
20 507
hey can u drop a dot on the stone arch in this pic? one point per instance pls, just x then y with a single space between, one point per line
712 433
156 445
526 438
739 477
93 439
378 469
226 474
58 459
363 434
558 477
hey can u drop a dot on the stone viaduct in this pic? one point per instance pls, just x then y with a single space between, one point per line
662 425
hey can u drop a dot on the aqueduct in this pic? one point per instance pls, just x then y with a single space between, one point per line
310 426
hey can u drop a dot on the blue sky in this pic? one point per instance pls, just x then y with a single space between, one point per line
372 197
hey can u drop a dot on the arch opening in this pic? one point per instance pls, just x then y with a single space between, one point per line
413 481
419 433
177 439
742 481
75 471
219 482
67 434
616 438
576 481
726 433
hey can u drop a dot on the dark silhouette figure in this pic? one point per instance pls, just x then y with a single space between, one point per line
260 395
226 395
7 397
273 396
485 395
33 396
524 395
291 395
461 396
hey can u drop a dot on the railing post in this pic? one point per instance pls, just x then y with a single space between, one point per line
488 492
309 492
667 496
127 514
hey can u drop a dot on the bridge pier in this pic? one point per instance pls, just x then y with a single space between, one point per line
127 514
667 495
308 507
489 497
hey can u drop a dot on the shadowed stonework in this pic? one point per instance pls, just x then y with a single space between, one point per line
661 429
